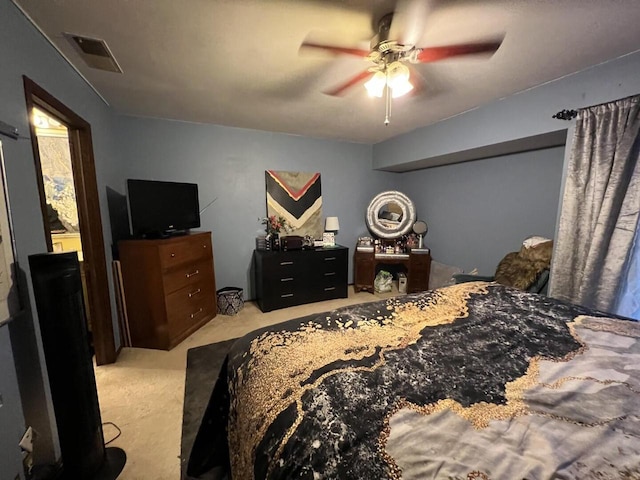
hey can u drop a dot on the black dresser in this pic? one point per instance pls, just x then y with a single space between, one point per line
284 279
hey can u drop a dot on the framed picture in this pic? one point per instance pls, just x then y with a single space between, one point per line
9 299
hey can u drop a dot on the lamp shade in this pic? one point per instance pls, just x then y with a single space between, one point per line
331 224
401 88
375 85
398 79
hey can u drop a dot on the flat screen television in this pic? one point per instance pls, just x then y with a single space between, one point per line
161 209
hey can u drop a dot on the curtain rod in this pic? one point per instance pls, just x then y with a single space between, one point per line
571 114
566 115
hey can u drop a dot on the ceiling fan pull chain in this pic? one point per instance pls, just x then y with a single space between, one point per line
387 104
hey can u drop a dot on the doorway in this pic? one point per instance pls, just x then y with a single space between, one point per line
65 172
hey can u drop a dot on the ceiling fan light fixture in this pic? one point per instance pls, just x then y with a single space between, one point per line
401 88
398 70
398 79
375 85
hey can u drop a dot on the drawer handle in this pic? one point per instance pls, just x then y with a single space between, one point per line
191 294
286 263
196 313
328 289
189 275
328 274
173 255
328 259
288 279
286 295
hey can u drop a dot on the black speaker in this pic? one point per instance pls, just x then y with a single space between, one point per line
57 288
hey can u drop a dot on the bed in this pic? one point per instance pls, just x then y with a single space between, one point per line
471 381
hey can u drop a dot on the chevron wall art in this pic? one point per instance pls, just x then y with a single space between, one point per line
297 196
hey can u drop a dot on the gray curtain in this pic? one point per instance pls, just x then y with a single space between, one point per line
599 215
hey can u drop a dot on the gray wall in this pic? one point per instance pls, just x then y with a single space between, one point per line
23 51
479 211
519 116
229 163
473 212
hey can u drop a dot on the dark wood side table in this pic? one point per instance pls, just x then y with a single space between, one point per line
417 264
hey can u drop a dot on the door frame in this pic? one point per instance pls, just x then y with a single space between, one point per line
87 199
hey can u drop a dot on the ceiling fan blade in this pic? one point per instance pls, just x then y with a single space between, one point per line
335 50
432 54
343 87
409 21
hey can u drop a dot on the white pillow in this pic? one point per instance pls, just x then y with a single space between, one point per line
534 240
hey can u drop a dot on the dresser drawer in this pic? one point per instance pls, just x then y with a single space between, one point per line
285 296
328 292
328 274
327 262
284 279
285 264
191 249
185 275
284 285
328 287
188 306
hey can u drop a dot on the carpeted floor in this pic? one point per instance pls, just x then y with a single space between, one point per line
203 366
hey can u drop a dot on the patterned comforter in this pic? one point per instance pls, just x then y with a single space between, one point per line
473 381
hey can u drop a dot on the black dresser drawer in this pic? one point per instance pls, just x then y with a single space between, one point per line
330 278
330 261
328 290
284 279
283 265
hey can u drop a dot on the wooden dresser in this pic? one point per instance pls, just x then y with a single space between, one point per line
294 277
169 288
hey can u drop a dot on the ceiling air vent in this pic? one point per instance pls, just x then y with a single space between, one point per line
94 52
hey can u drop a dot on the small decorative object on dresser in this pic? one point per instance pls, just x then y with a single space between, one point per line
420 228
365 244
331 227
169 288
328 239
274 225
292 242
261 242
284 279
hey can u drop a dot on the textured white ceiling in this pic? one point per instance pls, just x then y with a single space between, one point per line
237 62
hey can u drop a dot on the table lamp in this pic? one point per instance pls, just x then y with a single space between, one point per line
331 227
332 224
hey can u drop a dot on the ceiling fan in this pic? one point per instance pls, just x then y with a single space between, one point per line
392 51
